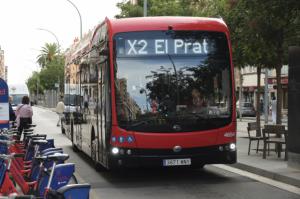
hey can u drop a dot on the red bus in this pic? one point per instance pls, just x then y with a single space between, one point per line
155 91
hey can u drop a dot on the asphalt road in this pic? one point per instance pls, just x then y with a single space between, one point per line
210 182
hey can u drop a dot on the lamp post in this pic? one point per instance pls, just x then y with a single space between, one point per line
145 8
79 16
57 42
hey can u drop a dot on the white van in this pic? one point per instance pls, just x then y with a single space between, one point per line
17 91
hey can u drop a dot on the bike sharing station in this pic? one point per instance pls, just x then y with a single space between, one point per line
4 110
30 165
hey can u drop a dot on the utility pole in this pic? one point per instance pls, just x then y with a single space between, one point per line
145 8
37 90
240 93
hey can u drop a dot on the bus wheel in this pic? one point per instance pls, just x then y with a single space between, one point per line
97 165
63 130
74 147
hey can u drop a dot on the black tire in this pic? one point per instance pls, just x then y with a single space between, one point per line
74 147
63 130
98 167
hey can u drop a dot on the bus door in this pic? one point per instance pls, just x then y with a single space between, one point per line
101 142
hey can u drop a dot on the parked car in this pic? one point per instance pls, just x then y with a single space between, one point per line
247 109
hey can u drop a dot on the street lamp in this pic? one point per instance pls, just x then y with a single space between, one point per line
57 42
79 17
145 8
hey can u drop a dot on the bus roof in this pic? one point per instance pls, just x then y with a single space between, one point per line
148 24
163 23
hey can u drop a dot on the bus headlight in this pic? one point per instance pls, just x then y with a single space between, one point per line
115 150
232 147
129 152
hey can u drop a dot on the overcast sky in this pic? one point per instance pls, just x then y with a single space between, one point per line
20 20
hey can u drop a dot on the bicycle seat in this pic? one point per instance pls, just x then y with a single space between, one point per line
37 136
39 142
13 131
18 155
51 150
7 142
27 133
24 197
28 130
58 156
40 158
81 190
11 156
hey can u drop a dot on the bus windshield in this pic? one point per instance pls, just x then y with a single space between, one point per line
171 81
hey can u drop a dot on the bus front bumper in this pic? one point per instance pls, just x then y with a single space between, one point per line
196 157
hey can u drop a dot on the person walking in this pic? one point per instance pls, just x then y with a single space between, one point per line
274 107
24 115
60 107
12 115
261 106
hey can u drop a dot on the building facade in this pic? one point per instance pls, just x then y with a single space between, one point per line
3 69
249 84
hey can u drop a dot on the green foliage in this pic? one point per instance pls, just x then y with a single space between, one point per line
52 70
129 10
172 8
48 54
33 83
262 30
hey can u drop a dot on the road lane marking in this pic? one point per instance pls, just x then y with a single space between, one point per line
274 183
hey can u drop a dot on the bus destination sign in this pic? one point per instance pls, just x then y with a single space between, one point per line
144 47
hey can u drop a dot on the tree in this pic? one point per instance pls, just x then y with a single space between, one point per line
261 31
172 8
269 26
52 63
33 83
48 54
53 73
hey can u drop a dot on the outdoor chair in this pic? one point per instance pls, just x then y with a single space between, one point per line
274 134
253 128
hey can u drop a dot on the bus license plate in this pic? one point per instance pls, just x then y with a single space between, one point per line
177 162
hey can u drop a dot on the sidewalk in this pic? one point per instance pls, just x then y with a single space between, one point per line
271 167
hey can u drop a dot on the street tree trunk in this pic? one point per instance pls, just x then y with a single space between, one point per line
258 98
278 80
278 76
279 94
240 93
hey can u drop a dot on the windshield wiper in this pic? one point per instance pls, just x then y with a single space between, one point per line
143 122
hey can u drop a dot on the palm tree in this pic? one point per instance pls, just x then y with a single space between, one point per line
49 52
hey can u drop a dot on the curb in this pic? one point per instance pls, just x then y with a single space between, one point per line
267 174
246 119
